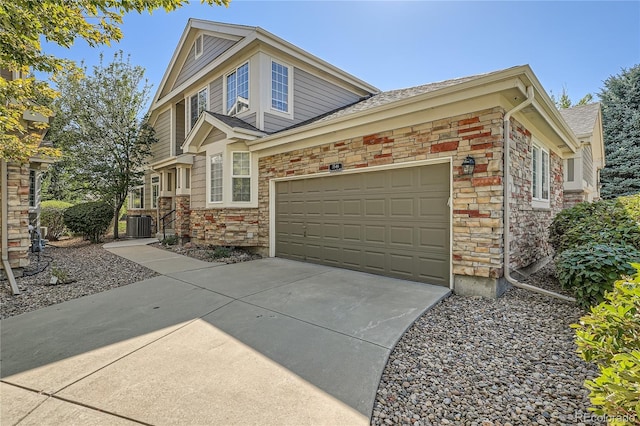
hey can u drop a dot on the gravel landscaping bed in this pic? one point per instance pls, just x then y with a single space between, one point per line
472 361
92 269
209 253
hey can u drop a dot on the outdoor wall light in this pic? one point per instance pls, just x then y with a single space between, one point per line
468 165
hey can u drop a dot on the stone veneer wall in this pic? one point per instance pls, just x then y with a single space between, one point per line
477 199
571 198
237 227
529 226
18 215
182 224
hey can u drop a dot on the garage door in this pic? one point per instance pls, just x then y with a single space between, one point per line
393 222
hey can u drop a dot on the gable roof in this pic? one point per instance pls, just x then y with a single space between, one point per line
582 118
244 37
232 127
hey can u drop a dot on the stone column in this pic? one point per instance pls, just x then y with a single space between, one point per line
183 217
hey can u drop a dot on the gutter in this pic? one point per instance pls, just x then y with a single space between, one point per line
5 228
506 208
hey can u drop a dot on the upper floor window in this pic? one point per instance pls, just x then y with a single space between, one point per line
279 87
241 176
540 179
197 46
197 104
238 90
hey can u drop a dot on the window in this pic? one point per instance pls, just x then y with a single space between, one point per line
215 195
540 181
570 170
187 178
279 87
238 90
136 200
155 191
197 46
197 104
241 177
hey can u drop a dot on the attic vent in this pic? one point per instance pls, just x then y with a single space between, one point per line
197 45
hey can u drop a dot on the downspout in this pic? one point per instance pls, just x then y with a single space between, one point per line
506 207
5 228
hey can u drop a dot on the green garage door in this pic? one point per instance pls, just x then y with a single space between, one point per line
392 222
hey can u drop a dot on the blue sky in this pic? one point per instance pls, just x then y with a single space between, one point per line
394 44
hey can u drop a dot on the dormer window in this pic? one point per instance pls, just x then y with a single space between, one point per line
238 90
197 104
197 46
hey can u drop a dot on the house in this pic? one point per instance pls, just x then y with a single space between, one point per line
264 145
582 170
20 198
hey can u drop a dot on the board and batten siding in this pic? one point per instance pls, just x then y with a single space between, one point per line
198 184
162 149
212 47
312 96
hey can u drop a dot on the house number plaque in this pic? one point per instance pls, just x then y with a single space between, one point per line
335 167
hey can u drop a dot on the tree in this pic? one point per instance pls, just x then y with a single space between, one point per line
620 99
564 101
23 23
102 130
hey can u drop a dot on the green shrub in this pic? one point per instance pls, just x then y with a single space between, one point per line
221 251
591 269
52 216
600 222
91 220
171 240
609 336
631 204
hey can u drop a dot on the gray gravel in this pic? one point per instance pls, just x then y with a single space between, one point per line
472 361
91 268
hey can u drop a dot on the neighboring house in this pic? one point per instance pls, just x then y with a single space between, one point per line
582 170
22 204
263 145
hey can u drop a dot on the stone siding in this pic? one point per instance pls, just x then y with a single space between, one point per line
183 216
530 226
234 227
17 206
571 198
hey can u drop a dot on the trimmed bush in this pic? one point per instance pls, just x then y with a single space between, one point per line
591 269
91 220
609 336
631 204
599 222
52 216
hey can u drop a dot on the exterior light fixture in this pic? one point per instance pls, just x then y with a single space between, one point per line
468 165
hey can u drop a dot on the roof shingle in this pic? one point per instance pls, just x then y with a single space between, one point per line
581 118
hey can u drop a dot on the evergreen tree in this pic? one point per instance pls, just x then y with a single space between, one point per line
620 99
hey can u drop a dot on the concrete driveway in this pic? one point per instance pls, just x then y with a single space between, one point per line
263 342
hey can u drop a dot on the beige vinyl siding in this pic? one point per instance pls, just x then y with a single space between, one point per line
215 96
251 119
162 148
211 49
198 184
215 136
312 96
180 133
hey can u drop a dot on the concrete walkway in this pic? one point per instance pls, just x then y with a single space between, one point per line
263 342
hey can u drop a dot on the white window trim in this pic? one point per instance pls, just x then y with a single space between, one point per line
251 195
225 93
289 112
195 46
154 200
208 178
538 202
131 198
188 105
